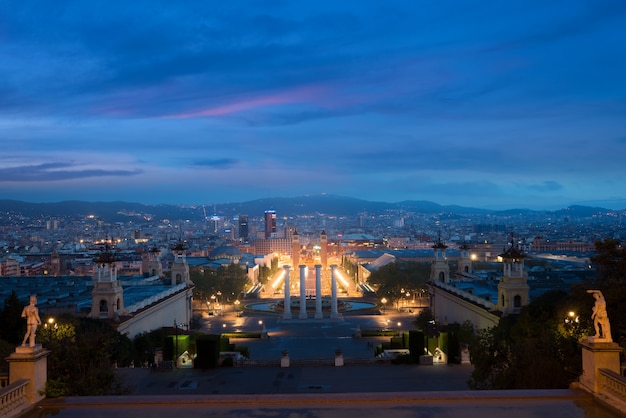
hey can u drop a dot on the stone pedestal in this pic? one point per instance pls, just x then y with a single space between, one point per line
598 353
284 359
338 358
30 363
465 356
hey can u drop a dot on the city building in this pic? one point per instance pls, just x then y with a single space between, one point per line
244 230
270 224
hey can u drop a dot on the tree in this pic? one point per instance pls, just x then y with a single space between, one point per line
229 280
82 358
394 280
264 274
13 325
610 261
531 351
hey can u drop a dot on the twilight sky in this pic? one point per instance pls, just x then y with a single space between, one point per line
495 104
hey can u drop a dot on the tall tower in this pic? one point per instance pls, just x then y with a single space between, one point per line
244 231
439 269
512 289
155 268
465 260
324 249
270 223
107 296
295 248
180 268
55 263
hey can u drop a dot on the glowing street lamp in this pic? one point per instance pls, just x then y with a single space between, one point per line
383 301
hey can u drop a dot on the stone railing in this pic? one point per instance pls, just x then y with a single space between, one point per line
612 384
466 295
13 399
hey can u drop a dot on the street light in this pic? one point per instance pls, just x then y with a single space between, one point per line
51 322
236 303
383 301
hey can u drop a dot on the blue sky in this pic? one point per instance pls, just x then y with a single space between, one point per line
494 104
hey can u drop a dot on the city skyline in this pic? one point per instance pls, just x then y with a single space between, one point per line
492 105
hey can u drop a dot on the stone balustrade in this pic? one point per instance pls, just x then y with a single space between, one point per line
613 388
466 295
14 399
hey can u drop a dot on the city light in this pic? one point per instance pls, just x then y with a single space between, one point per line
342 279
279 279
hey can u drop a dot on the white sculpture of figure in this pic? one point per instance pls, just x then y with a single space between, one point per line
600 317
31 313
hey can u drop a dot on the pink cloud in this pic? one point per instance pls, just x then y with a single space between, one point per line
299 95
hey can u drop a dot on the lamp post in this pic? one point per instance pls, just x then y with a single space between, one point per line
571 322
383 301
236 303
49 325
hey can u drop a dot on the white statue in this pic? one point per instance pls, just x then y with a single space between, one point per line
600 317
31 313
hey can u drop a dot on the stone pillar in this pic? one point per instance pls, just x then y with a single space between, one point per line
284 359
334 314
596 356
302 314
287 292
338 358
30 363
318 292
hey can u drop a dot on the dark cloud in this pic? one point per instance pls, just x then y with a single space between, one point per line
50 172
375 94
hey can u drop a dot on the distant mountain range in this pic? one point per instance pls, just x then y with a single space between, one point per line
304 205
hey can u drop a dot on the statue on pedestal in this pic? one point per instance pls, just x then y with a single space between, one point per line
31 313
600 317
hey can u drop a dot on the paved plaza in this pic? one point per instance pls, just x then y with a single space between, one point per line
308 338
392 391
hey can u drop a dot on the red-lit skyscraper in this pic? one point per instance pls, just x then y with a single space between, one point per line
270 224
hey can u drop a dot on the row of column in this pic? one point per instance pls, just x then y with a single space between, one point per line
334 313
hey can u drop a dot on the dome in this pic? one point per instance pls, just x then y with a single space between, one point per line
225 251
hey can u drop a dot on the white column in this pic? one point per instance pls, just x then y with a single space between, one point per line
334 314
302 314
287 292
318 292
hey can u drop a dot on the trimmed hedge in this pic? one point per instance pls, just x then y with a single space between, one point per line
379 333
241 335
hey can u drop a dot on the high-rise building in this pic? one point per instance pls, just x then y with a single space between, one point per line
270 224
244 232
